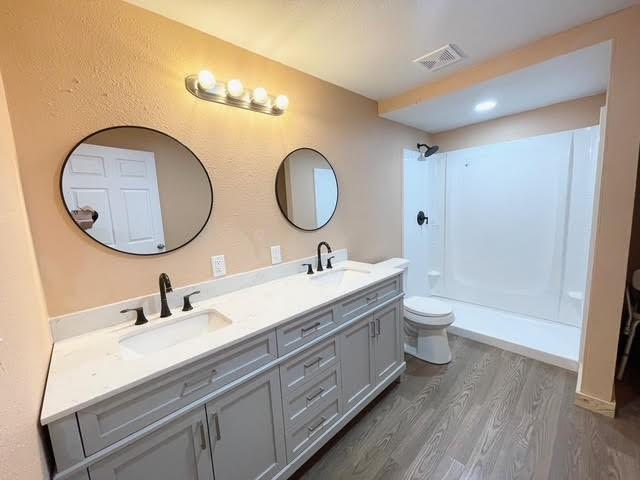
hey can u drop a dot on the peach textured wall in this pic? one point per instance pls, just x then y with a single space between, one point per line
72 67
621 143
25 343
583 112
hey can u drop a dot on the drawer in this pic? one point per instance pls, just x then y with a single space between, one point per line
301 331
305 400
365 301
307 364
113 419
304 434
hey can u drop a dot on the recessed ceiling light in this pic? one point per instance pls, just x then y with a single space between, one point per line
485 106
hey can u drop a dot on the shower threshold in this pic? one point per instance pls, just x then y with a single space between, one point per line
549 342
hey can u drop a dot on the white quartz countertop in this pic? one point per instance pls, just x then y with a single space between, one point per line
92 367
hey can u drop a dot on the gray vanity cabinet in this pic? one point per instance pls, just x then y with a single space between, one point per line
256 410
247 430
357 362
180 450
388 351
371 350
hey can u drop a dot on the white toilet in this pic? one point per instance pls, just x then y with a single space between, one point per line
425 323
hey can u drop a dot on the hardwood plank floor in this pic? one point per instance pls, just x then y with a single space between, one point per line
489 414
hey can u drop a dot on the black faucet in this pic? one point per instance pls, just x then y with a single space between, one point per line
165 286
319 269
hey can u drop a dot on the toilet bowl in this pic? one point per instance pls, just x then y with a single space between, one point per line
425 326
425 322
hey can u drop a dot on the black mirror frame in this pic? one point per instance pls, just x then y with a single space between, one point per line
337 190
64 204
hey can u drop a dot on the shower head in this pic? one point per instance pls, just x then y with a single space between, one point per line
430 150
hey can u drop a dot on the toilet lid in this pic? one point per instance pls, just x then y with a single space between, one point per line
427 307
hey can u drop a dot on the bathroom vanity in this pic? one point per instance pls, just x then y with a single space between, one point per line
246 386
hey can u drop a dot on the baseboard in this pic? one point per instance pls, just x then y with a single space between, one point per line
596 405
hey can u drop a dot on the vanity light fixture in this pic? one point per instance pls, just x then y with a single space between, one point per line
205 86
486 106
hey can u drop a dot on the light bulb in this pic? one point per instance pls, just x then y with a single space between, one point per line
235 89
260 96
485 106
206 80
282 102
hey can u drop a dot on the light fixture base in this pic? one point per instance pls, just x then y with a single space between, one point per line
219 95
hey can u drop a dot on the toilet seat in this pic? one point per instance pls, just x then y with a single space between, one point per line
428 312
427 307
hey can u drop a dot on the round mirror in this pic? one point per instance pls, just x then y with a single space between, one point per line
136 190
307 189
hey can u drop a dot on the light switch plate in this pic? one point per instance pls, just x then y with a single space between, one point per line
219 266
276 255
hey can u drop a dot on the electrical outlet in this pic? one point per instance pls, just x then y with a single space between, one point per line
276 255
219 266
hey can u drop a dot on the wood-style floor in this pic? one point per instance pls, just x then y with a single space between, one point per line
488 414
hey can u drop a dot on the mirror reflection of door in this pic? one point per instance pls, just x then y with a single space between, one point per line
121 185
148 192
326 191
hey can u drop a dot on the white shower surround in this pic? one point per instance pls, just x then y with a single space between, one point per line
509 229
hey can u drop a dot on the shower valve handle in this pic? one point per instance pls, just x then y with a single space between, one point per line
422 218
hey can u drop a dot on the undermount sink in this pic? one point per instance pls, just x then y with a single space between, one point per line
171 332
339 276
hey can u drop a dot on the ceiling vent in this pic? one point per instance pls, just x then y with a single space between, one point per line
440 58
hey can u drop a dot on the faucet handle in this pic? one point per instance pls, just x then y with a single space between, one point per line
186 301
309 268
140 318
329 261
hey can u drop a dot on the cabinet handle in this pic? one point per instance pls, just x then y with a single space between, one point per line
312 363
372 299
372 329
317 425
305 330
378 328
216 424
194 384
315 395
203 438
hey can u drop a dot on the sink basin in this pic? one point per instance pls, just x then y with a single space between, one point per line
340 276
171 332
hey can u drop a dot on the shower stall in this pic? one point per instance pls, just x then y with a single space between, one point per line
506 238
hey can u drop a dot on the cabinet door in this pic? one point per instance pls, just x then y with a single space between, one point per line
247 430
179 450
356 362
387 352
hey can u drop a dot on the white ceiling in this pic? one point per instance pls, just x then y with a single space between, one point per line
578 74
367 46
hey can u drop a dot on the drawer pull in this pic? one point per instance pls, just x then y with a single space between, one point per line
313 362
378 328
191 386
203 438
371 299
317 425
216 424
315 395
307 330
